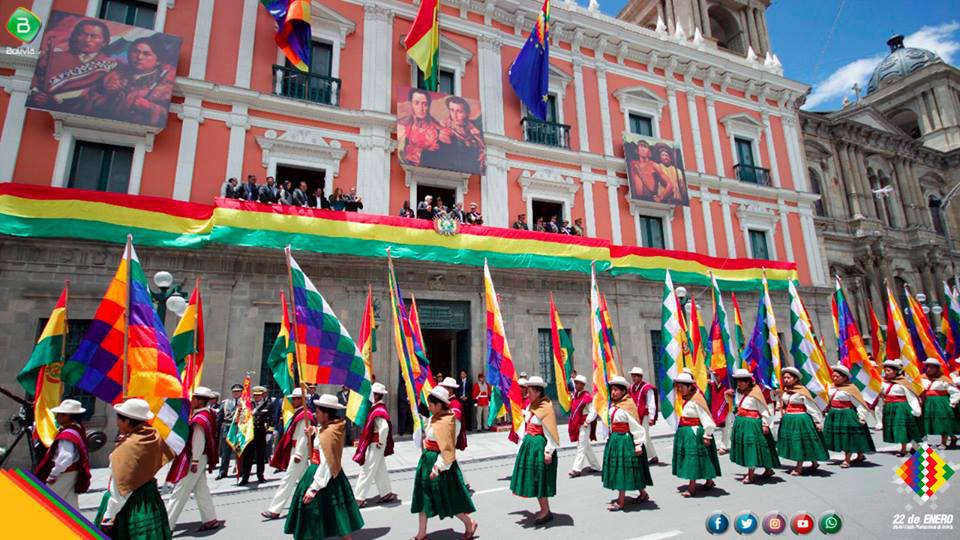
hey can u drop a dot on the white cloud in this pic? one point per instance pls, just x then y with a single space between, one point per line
940 39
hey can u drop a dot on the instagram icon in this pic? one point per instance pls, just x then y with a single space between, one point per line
774 523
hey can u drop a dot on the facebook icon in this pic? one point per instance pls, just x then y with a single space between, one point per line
717 523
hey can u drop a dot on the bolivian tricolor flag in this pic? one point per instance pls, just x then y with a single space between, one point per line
562 356
367 324
423 41
187 342
40 378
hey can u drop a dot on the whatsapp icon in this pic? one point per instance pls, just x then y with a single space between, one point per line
830 523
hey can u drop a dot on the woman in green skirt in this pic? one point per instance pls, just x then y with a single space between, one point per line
845 428
323 504
131 507
901 408
438 487
800 436
694 450
939 403
535 470
752 444
625 466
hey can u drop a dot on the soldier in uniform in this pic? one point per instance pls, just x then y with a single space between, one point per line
228 409
256 451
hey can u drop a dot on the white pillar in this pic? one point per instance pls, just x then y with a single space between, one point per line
812 246
201 40
248 34
373 167
714 135
491 83
18 86
192 116
695 124
771 150
582 131
705 198
785 225
93 6
61 163
493 192
728 224
613 183
136 168
604 108
239 123
674 116
377 54
589 211
794 153
688 230
161 19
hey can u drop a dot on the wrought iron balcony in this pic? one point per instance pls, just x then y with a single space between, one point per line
754 175
293 83
546 133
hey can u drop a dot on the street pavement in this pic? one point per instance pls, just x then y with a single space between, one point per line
868 500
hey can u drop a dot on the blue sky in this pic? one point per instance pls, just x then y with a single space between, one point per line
830 44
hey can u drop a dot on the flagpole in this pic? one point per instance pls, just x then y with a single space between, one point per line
297 378
196 332
66 320
126 315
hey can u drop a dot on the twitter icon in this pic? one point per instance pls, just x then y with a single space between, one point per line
746 523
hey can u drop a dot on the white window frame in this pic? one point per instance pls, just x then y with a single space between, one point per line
640 100
415 176
654 131
453 58
759 218
303 148
665 212
70 129
551 186
327 26
159 21
744 126
525 112
767 237
663 227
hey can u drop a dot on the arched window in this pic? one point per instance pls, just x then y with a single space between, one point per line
935 215
906 120
816 189
725 28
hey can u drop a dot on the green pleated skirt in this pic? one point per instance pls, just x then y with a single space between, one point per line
843 432
692 460
750 447
446 496
532 477
900 425
798 439
143 517
623 470
333 512
939 418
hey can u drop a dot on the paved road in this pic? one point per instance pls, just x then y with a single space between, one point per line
867 499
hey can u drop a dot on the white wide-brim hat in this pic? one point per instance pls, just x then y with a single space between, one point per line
793 371
328 401
842 369
378 388
580 379
441 394
619 381
932 362
296 393
685 378
895 364
69 406
536 380
259 390
204 392
637 371
522 382
449 382
134 408
742 374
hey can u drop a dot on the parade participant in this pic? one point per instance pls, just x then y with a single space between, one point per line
131 507
845 428
721 407
956 384
901 409
524 395
456 407
535 469
323 503
800 435
481 400
582 428
644 395
438 487
939 403
256 450
189 470
291 455
225 417
694 450
752 444
625 466
65 466
375 444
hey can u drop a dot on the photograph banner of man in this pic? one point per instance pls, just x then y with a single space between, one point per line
105 69
440 131
655 170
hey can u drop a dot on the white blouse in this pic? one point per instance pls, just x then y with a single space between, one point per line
636 430
840 395
750 403
896 389
323 475
797 398
531 418
440 464
66 456
692 410
942 386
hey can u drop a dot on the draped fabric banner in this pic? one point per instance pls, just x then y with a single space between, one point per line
45 212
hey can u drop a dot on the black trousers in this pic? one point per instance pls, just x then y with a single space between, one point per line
255 452
225 454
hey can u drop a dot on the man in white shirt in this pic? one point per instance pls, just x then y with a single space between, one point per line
191 477
66 467
291 456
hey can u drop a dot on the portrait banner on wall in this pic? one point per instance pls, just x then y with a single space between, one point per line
440 131
655 170
105 69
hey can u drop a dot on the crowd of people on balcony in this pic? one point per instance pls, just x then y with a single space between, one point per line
430 209
287 194
553 225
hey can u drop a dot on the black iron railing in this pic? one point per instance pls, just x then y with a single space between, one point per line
754 175
293 83
546 133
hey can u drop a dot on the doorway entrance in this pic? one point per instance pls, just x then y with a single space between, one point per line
447 195
315 178
547 210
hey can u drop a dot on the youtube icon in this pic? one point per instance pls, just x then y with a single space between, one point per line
802 524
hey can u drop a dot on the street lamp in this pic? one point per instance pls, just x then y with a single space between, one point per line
169 296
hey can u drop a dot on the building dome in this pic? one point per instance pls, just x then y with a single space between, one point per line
901 62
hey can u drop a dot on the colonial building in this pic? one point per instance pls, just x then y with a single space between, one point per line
886 165
239 109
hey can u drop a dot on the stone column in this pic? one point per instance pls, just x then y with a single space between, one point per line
705 200
714 134
926 278
377 53
849 184
695 125
491 83
373 165
607 130
583 134
588 211
18 86
866 197
704 19
201 40
191 118
613 186
239 123
923 211
762 25
493 190
906 193
248 34
751 30
771 150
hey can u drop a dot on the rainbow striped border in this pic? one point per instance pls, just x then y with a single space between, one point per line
57 507
45 212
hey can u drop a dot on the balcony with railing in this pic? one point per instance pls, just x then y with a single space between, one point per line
752 174
293 83
546 133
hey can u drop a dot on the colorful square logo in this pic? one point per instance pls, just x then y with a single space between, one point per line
925 472
24 25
